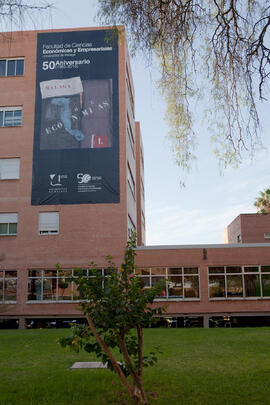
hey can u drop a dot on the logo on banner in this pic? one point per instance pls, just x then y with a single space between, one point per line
83 178
56 179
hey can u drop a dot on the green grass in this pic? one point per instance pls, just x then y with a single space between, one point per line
197 366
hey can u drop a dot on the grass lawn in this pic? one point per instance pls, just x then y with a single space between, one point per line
197 366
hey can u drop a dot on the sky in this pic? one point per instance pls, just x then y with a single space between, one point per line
198 213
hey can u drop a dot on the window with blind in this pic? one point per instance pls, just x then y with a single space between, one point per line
9 169
8 224
48 223
10 116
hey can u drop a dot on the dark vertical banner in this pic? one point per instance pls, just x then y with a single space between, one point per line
76 135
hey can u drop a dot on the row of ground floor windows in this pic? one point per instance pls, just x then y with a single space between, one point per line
224 282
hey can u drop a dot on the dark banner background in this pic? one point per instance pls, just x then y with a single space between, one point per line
76 135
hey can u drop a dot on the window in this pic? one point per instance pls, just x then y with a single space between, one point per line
8 285
131 181
131 98
11 67
131 227
180 282
143 220
9 169
8 224
48 223
130 134
10 116
55 285
239 282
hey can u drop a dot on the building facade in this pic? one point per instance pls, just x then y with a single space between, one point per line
72 188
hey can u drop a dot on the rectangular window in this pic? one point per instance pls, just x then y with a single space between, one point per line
10 116
9 169
179 282
131 98
239 282
12 67
8 285
130 134
48 223
55 285
8 224
131 181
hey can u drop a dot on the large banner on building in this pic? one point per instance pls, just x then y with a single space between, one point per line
76 135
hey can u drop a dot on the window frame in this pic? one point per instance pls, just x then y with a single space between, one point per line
165 275
6 66
60 274
45 232
243 273
15 214
12 109
130 180
2 160
4 277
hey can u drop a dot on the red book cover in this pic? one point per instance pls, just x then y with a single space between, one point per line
100 141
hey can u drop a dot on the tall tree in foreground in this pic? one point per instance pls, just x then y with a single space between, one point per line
263 202
116 309
216 49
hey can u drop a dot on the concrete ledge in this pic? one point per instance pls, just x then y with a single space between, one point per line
88 364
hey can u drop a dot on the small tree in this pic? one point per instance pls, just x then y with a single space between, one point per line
263 202
115 305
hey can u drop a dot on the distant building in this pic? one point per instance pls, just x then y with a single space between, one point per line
72 190
248 228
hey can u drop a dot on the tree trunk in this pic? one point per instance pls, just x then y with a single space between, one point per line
103 345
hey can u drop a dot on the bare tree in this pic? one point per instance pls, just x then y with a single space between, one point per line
14 13
218 49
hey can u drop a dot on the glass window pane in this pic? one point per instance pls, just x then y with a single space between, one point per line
266 285
191 286
143 271
50 273
145 282
49 289
217 286
17 120
64 289
10 290
191 270
10 273
214 270
13 229
251 269
175 287
234 269
20 67
158 270
1 118
35 273
175 270
8 118
157 279
35 289
2 67
252 285
11 68
1 273
3 229
265 269
234 286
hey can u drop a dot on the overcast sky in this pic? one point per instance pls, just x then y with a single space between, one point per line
199 212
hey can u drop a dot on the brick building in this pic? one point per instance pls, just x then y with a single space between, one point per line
72 188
